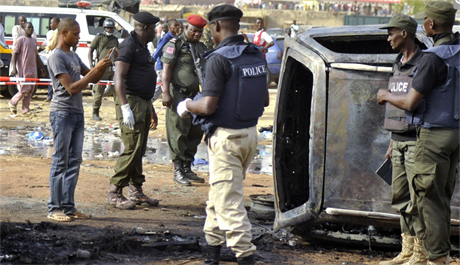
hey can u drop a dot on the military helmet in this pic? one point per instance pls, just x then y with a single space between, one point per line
108 23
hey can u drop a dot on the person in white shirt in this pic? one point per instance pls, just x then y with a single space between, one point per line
49 35
261 38
294 29
2 30
53 27
19 30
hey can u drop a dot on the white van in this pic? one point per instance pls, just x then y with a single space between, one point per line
90 25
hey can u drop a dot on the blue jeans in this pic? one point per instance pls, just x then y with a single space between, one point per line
68 129
50 91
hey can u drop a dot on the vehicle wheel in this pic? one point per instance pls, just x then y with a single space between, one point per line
5 93
13 89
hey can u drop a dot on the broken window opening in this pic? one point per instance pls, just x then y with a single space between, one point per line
295 123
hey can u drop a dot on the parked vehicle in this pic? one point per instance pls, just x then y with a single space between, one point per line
329 138
274 56
275 31
90 24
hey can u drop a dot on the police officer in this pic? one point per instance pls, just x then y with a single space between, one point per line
102 43
134 85
401 35
234 95
180 81
434 105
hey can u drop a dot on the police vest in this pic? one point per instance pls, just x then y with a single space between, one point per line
440 108
242 101
399 84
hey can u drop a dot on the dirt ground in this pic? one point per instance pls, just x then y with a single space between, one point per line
168 234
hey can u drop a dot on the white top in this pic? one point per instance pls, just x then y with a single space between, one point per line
294 30
49 35
263 36
2 34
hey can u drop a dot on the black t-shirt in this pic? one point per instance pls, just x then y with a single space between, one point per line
432 71
141 77
430 66
218 69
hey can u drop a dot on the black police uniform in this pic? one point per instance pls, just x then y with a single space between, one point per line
140 86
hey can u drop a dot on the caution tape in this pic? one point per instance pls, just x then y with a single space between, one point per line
105 83
8 80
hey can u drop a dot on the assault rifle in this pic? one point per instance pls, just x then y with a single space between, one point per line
196 60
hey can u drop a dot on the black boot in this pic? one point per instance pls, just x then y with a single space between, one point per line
249 260
212 255
96 115
191 176
179 174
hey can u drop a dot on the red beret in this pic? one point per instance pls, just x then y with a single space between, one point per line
197 21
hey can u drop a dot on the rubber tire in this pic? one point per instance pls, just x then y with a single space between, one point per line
5 92
13 89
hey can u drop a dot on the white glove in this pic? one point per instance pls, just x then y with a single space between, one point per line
128 117
182 110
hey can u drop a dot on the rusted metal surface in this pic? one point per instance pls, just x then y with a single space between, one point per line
329 139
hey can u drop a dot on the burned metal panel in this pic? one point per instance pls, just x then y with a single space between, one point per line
294 102
365 38
356 146
344 152
356 142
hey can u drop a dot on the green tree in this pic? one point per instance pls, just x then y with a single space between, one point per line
412 7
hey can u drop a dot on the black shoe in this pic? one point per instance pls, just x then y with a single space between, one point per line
249 260
191 176
212 255
96 115
179 174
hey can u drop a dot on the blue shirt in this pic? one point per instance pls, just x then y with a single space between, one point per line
159 51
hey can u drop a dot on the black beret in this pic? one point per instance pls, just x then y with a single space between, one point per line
224 12
146 18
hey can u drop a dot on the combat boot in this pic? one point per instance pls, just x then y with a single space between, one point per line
137 196
96 115
439 261
191 176
179 174
406 253
249 260
212 255
420 256
115 197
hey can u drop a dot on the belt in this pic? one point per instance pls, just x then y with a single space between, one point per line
186 91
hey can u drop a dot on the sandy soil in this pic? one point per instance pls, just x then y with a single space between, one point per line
115 236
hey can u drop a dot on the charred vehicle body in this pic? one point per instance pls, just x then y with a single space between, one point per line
329 137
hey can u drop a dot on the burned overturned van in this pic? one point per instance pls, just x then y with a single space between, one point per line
329 138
